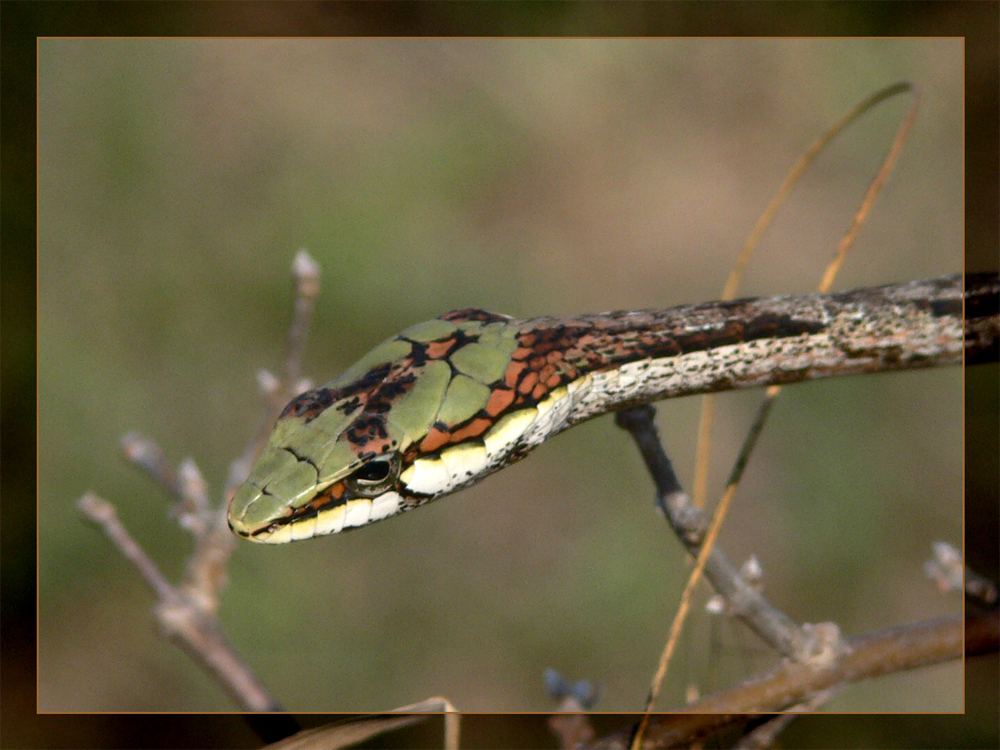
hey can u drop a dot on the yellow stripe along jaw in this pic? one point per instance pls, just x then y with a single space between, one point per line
332 520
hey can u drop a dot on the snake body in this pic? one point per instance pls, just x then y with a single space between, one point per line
449 401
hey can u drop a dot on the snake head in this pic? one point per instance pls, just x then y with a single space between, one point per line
420 416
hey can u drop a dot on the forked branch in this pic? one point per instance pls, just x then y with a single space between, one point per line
187 612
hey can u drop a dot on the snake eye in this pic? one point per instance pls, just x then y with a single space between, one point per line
373 473
374 477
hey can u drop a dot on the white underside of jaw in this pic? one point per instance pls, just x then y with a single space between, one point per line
385 505
351 514
464 461
426 476
304 529
459 465
330 521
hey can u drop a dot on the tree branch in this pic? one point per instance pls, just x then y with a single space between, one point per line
689 524
870 655
187 612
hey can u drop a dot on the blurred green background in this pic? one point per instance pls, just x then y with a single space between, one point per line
177 178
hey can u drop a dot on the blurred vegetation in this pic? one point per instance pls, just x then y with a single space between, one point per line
178 177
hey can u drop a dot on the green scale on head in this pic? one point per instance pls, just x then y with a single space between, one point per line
428 411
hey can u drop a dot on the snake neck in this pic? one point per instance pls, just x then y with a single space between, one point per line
593 364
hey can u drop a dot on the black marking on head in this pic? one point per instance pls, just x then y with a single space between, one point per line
366 382
314 402
438 349
380 402
476 314
349 407
366 428
302 459
309 404
462 338
418 351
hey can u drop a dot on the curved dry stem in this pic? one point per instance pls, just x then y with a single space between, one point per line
876 184
705 422
739 266
343 734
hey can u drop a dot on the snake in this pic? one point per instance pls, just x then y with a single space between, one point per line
449 401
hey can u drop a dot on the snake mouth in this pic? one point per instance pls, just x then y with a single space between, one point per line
327 513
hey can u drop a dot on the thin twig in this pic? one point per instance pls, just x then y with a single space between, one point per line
876 184
185 621
773 391
305 271
764 735
949 572
194 510
889 650
103 513
182 615
207 565
689 523
149 456
187 612
828 275
753 240
874 188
